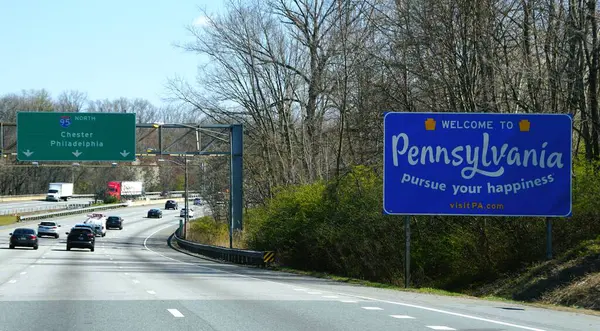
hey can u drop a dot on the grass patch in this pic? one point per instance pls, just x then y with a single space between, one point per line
368 283
552 281
7 219
434 291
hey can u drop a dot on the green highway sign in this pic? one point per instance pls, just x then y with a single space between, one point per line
48 136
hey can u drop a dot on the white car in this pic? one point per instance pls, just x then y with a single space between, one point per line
183 210
98 221
48 229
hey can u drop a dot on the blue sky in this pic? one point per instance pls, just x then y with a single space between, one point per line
106 48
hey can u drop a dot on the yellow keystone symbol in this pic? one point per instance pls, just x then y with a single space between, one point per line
430 124
524 125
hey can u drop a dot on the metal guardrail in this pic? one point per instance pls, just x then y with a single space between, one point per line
239 256
44 207
21 196
70 212
42 196
52 207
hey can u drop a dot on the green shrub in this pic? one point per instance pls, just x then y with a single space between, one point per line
110 199
287 223
206 230
338 227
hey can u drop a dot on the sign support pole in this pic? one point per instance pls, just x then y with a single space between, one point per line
548 238
407 251
235 180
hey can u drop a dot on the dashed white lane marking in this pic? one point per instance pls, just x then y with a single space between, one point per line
126 273
402 316
120 267
441 311
300 289
314 292
12 281
151 292
330 296
135 281
23 272
32 266
43 257
440 327
372 308
175 312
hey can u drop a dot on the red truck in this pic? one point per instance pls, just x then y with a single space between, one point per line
125 189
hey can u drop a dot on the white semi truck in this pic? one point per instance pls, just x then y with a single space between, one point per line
59 191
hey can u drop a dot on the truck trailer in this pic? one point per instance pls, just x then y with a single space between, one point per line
121 189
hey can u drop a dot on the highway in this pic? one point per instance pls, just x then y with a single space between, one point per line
135 281
11 207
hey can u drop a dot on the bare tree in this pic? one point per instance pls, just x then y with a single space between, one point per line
71 101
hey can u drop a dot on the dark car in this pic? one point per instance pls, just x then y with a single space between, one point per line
171 204
154 213
114 222
81 237
197 202
23 237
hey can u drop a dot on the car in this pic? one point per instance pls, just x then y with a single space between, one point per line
114 222
85 225
23 237
171 204
197 202
183 210
154 213
81 237
48 229
98 223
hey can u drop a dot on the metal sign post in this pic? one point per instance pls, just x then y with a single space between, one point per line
235 180
407 251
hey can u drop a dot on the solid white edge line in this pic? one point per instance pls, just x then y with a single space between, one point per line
166 257
175 312
448 313
349 295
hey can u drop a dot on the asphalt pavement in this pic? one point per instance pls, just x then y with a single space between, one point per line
135 281
12 207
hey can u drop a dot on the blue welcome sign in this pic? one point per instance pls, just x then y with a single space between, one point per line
477 164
